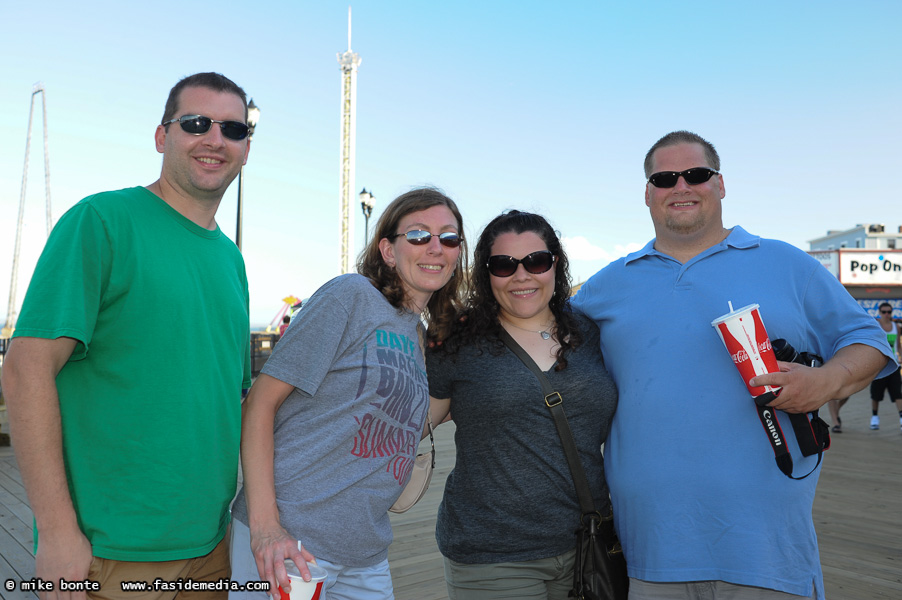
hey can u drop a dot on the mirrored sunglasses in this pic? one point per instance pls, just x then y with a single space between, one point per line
536 263
418 237
693 176
199 125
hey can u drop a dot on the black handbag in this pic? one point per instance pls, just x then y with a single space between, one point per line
600 569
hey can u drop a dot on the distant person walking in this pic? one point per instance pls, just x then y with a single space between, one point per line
286 321
125 400
834 406
892 383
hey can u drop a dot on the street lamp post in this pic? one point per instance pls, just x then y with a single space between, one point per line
253 116
366 204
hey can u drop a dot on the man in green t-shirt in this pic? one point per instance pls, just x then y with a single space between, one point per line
124 377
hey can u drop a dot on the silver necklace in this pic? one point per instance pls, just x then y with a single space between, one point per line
544 333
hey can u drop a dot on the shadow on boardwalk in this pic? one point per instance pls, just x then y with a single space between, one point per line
856 513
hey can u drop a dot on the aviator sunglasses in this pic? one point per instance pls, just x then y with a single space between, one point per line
693 176
536 263
418 237
199 125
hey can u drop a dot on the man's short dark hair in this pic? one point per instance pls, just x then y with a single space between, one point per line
884 304
212 81
683 137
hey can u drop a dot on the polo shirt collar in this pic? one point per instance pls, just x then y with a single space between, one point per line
738 238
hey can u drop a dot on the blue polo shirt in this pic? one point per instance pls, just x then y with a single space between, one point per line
696 492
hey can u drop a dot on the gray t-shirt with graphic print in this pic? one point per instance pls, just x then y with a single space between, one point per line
346 437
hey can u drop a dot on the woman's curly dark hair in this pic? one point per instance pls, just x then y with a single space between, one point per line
445 304
479 322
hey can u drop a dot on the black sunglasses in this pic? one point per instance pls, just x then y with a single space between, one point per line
886 312
199 125
418 237
536 263
693 176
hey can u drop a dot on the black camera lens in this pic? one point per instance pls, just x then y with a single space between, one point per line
784 351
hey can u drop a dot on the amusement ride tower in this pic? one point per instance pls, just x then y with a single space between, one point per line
349 61
11 309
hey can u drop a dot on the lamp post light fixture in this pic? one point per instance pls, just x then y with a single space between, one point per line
366 204
253 116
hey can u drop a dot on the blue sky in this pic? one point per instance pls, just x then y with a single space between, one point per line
548 107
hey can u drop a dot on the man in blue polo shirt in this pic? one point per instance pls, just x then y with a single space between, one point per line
701 508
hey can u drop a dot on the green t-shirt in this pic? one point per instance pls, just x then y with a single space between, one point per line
151 397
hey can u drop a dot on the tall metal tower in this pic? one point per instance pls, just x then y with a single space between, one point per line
349 61
11 312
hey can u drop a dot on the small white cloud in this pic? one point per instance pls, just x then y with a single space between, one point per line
579 248
621 250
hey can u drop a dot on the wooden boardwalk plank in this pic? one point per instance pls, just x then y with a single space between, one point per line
12 494
16 558
857 506
416 564
856 513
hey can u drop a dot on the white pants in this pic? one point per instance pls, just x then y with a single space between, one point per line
343 583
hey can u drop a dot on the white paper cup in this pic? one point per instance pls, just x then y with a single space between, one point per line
304 590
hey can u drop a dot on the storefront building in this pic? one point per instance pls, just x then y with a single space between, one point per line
867 261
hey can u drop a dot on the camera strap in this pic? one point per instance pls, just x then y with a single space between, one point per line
813 437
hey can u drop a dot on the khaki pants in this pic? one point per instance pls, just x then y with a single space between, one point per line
541 579
162 578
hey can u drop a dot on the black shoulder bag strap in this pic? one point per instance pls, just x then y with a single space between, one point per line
554 402
600 570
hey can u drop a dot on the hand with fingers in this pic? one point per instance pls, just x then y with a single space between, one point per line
63 555
271 548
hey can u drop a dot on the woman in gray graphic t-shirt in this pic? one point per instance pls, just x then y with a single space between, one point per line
332 424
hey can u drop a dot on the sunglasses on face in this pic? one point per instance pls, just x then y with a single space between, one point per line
886 312
693 176
418 237
536 263
199 125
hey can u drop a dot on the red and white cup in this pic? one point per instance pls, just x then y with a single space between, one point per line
746 339
304 590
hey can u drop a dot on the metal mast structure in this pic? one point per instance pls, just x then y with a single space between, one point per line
253 117
349 61
11 312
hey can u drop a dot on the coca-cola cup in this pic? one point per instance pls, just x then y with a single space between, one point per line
745 337
304 590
